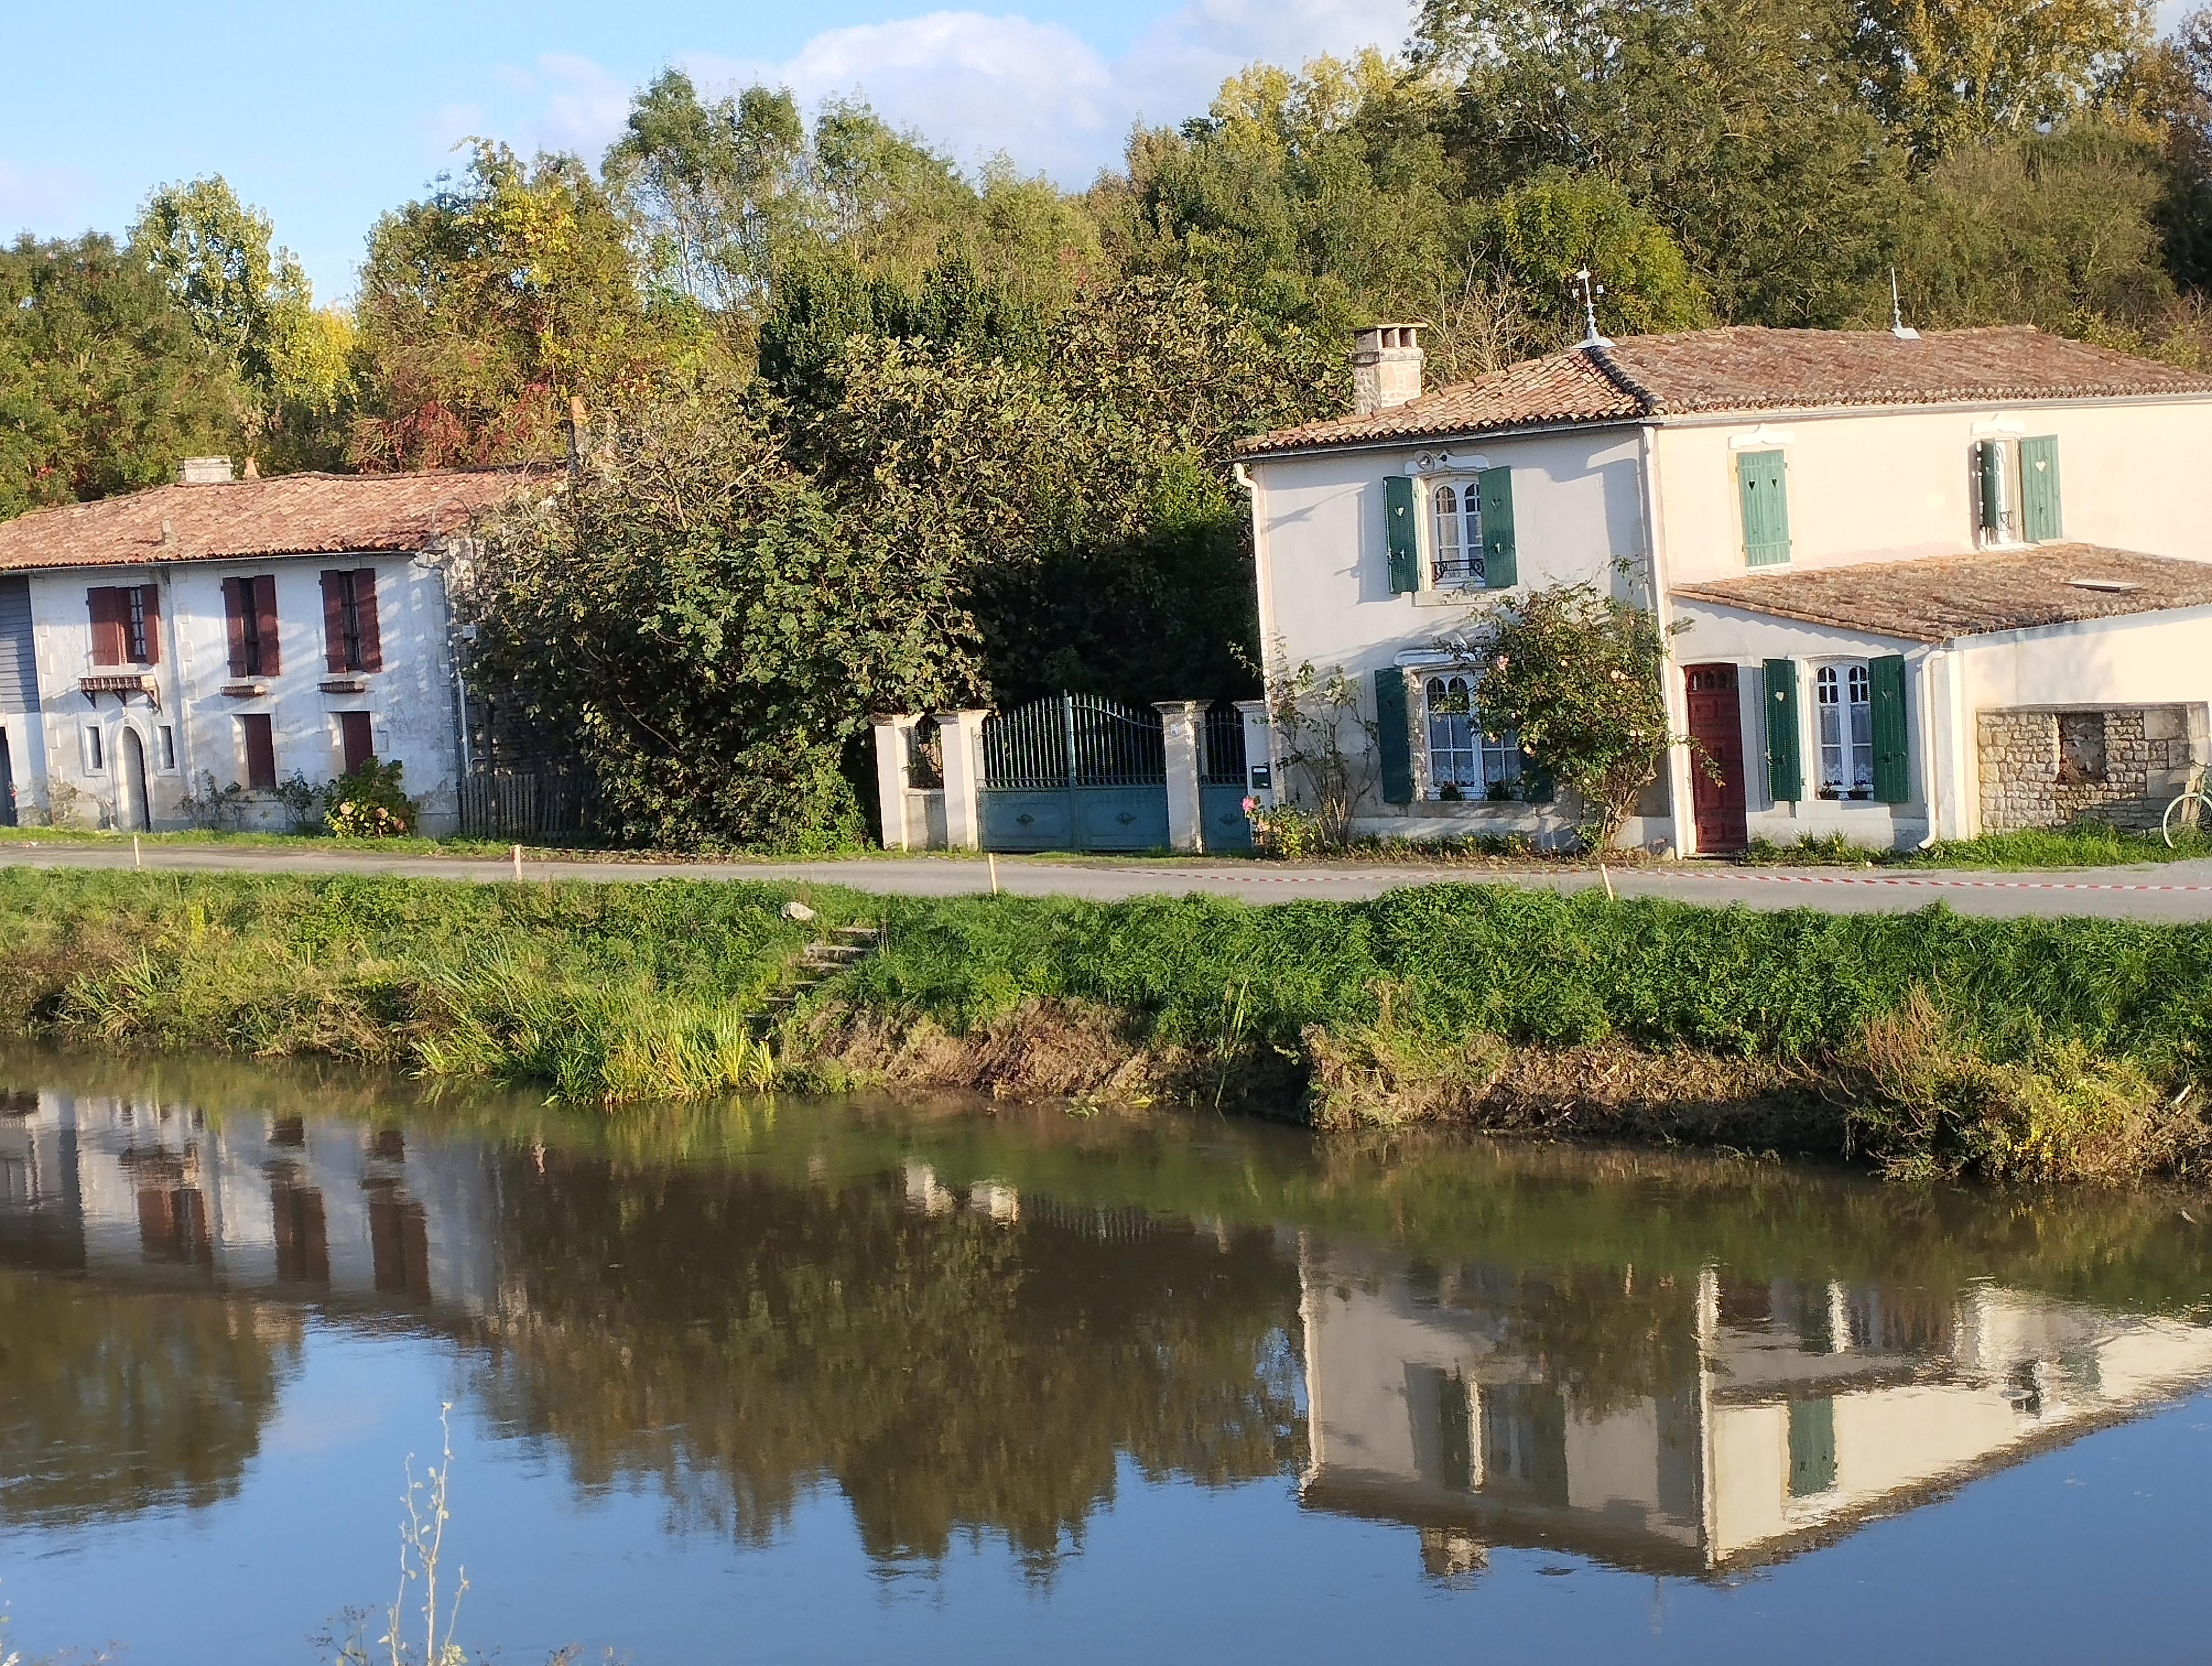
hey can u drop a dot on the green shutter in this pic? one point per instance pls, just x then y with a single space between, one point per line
1394 735
2040 520
1785 777
1501 556
1892 772
1989 471
1761 480
1812 1447
1404 527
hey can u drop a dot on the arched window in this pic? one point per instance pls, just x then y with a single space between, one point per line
1456 555
1842 695
1464 761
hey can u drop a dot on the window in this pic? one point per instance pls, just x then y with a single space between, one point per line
166 745
1762 488
1465 763
352 640
95 755
2016 491
1843 695
259 743
125 625
1457 511
250 607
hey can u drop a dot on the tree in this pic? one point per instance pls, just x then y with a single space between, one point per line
104 383
251 301
486 306
709 634
1947 73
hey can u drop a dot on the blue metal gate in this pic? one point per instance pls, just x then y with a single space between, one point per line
1074 773
1222 782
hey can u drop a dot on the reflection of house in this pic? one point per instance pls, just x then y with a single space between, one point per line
339 1213
1481 1408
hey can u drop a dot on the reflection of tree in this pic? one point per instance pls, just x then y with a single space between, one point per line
741 1338
116 1403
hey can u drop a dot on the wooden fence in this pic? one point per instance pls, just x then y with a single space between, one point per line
525 806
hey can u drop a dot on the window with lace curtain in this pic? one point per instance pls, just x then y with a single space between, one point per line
1465 761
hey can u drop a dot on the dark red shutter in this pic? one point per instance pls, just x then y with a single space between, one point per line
264 609
260 751
151 596
236 599
364 605
353 738
334 654
107 605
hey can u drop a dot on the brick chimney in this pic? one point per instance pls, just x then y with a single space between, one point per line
1385 367
204 471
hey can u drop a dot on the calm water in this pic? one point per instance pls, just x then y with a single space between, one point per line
838 1382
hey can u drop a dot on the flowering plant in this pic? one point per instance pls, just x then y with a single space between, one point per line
368 804
1284 832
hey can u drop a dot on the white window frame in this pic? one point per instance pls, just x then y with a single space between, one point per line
1470 761
1466 522
1842 730
92 749
165 748
2011 532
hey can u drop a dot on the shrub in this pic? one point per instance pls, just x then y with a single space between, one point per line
368 804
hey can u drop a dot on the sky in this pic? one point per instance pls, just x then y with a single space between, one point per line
326 116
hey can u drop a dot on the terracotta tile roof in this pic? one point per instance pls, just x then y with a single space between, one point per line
285 514
1738 369
1934 598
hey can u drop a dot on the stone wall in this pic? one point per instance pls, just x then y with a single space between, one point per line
2028 779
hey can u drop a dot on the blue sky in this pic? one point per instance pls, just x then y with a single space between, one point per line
327 116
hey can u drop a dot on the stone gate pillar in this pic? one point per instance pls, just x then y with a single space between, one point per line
962 734
894 741
1179 721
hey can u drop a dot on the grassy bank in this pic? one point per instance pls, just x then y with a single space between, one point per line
1934 1043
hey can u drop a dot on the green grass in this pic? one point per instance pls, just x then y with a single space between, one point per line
2085 844
623 993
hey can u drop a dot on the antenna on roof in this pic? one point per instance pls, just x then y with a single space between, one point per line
1898 326
1591 291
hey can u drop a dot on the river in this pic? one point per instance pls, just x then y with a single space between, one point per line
797 1381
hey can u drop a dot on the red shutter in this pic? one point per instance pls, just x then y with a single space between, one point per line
353 738
364 605
151 594
264 608
235 601
260 751
107 606
334 656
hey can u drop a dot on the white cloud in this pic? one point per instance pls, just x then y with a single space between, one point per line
976 85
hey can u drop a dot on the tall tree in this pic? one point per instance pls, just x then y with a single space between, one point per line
104 382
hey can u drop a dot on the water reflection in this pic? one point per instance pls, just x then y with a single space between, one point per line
969 1326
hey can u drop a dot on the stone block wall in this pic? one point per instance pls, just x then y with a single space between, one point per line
2149 753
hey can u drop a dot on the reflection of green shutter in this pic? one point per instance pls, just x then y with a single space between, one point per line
1892 775
1501 557
1404 528
1989 469
1812 1447
1785 778
1760 480
1393 736
2039 514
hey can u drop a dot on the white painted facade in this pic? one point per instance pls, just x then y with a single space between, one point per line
186 725
1640 507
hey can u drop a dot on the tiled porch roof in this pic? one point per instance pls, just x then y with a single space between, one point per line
1936 597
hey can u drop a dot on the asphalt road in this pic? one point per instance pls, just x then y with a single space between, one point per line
2171 893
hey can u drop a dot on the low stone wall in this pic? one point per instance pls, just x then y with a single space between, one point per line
2041 767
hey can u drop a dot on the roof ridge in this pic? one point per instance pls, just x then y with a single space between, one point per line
1602 355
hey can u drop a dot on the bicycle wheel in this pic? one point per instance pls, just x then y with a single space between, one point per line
2177 816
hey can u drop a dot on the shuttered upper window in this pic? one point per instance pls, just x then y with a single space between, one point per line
249 612
125 621
1762 489
2014 485
352 639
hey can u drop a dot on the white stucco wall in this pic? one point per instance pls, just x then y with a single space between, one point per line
1869 484
410 701
1323 565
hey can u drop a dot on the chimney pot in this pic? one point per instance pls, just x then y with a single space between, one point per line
204 471
1385 367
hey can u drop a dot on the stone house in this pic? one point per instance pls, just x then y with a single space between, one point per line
1887 618
232 633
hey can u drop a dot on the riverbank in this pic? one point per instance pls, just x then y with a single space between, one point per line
1932 1043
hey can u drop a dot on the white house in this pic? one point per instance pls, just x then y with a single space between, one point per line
221 632
1888 620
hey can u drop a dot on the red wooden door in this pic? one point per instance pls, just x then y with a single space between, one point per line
1717 733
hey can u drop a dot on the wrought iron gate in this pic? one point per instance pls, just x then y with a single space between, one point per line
1223 780
1074 773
